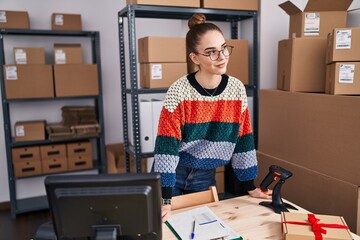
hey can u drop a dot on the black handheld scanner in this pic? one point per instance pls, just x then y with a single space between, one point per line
275 173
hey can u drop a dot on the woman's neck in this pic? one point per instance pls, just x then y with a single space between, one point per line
208 81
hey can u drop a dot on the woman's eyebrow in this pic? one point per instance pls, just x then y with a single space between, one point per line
211 48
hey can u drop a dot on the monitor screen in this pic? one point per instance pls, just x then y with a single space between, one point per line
105 206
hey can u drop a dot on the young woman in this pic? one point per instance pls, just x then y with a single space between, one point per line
205 121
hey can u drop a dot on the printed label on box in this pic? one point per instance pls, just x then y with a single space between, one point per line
11 73
156 71
20 131
346 73
343 39
20 56
312 24
60 56
59 19
3 17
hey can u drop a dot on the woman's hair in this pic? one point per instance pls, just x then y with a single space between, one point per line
198 27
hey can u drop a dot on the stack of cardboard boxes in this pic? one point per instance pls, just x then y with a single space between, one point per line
312 134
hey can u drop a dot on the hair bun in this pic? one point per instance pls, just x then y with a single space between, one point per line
196 19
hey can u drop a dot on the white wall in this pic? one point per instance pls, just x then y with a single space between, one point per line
102 16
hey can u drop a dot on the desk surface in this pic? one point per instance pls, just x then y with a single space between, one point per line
247 217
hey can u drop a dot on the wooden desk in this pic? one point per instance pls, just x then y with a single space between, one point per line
247 217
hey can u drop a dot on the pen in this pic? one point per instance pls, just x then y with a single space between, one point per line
193 231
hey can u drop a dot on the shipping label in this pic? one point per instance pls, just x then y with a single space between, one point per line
312 24
156 71
3 17
346 73
20 56
11 73
20 131
59 19
60 56
343 39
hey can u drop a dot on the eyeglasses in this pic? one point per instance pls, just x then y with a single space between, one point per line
215 54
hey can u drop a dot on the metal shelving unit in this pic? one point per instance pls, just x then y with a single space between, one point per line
40 202
131 12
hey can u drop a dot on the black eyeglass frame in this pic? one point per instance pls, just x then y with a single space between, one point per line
228 47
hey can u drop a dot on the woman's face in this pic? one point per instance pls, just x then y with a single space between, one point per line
211 43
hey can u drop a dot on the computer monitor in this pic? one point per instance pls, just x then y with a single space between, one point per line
105 206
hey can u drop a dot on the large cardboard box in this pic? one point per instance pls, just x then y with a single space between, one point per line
301 65
79 149
54 165
297 226
80 162
343 45
176 3
30 130
317 131
161 49
343 78
316 192
161 75
76 80
62 21
27 169
28 81
67 53
29 55
14 19
250 5
317 19
26 154
238 65
49 152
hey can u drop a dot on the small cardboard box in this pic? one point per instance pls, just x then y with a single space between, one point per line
61 21
29 55
160 75
54 165
76 80
175 3
161 49
293 231
67 53
54 151
301 65
29 130
28 81
79 149
250 5
80 162
14 19
26 169
343 78
26 154
343 45
318 17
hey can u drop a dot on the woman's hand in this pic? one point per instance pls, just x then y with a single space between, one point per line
257 193
165 212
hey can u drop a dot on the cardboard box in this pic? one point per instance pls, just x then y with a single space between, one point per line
26 154
116 159
250 5
293 231
29 55
80 162
14 19
76 80
301 65
29 130
54 151
54 165
343 78
27 169
343 45
67 53
61 21
317 19
317 131
28 81
161 49
79 149
175 3
309 189
161 75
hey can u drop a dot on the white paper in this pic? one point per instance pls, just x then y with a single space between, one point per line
3 17
20 131
11 73
60 56
20 56
343 39
156 71
312 24
346 73
59 19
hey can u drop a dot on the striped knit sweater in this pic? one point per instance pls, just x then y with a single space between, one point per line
204 132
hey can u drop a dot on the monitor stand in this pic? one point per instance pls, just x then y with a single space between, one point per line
107 232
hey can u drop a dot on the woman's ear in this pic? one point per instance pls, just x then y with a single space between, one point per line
194 58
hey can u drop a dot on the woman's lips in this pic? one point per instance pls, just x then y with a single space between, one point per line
220 65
